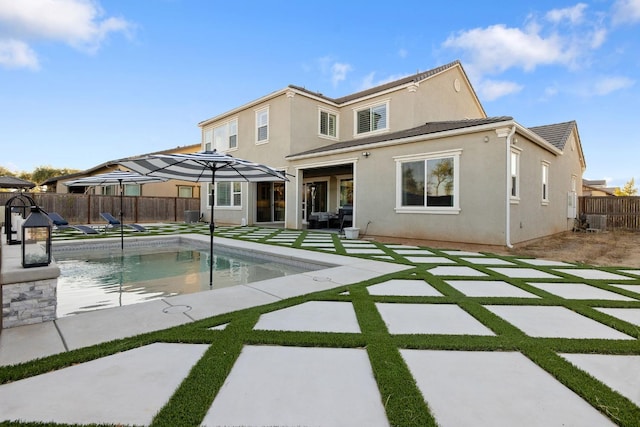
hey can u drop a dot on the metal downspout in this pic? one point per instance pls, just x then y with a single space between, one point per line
508 188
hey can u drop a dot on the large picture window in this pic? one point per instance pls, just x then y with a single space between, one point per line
373 118
428 183
227 194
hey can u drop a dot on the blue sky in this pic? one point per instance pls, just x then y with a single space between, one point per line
83 82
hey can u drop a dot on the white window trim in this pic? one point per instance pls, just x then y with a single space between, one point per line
227 125
335 113
515 199
207 139
544 180
190 187
232 207
258 112
387 105
441 210
339 179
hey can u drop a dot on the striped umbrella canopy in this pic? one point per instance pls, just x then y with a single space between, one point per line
204 166
120 178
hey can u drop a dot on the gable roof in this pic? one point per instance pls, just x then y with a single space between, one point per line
414 78
427 128
556 134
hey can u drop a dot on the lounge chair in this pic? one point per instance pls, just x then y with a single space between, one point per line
60 224
113 222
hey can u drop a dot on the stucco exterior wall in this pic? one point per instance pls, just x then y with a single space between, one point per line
531 217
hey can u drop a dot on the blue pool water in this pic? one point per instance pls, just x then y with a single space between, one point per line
96 279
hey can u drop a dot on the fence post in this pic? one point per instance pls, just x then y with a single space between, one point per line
88 208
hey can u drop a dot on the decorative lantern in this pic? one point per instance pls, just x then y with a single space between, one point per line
36 239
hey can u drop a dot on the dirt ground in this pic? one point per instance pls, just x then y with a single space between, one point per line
611 248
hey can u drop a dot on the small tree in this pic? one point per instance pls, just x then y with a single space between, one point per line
629 189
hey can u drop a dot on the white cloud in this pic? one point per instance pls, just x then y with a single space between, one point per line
78 23
339 72
494 89
626 11
17 54
574 15
497 48
611 84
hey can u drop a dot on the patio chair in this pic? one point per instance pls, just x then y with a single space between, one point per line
345 216
113 222
59 223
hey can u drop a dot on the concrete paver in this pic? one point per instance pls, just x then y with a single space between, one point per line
294 386
312 316
580 291
466 388
551 321
489 288
404 287
620 372
631 315
430 319
126 388
588 273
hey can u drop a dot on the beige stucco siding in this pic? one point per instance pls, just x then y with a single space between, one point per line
481 213
460 100
531 216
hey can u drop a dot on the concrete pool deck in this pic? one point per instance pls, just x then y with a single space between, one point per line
290 385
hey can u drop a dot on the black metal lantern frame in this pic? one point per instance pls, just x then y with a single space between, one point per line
21 205
36 239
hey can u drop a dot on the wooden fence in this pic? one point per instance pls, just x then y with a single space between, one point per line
86 208
621 212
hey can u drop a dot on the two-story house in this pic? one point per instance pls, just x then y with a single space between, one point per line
416 158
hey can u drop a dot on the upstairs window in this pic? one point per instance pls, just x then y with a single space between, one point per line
328 124
208 140
262 125
225 136
372 118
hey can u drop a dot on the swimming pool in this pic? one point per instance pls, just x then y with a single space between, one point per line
96 276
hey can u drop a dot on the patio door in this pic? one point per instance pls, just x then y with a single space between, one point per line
314 198
270 203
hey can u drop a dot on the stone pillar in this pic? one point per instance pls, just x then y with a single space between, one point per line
28 295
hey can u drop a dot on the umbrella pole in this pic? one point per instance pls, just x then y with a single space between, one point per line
211 227
121 218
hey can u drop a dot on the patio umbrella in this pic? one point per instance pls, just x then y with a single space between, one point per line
13 182
204 166
119 177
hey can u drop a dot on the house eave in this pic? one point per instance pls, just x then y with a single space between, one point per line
538 140
406 140
266 98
